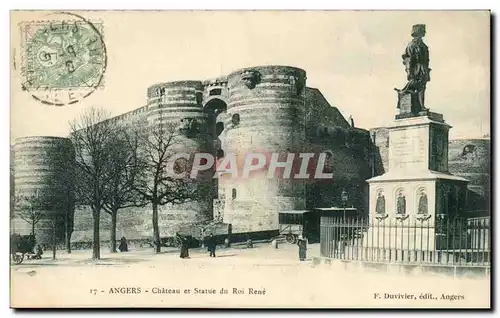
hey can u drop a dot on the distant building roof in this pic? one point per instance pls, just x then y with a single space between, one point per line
295 212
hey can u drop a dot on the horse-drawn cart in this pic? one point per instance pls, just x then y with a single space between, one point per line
21 245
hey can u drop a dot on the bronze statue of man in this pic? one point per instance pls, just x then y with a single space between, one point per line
416 61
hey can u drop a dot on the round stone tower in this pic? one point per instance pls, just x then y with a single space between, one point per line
265 114
179 104
44 186
175 102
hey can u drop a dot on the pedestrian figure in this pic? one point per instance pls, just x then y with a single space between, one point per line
39 252
185 242
123 245
184 247
249 243
274 243
302 243
156 245
211 244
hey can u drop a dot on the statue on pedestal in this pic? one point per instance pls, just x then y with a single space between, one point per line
416 61
380 206
422 203
401 203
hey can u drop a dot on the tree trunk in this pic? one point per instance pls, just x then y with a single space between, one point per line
67 233
68 242
33 228
96 243
156 230
54 224
112 238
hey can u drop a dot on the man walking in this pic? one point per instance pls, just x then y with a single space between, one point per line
302 243
211 244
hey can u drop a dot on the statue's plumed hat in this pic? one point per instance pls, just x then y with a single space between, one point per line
418 30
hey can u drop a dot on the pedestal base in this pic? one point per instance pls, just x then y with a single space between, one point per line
427 113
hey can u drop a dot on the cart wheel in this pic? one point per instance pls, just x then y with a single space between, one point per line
18 258
290 238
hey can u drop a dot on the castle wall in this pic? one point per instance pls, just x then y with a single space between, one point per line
350 170
380 140
320 115
348 155
470 159
135 223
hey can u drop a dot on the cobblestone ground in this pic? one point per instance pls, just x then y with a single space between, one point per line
258 277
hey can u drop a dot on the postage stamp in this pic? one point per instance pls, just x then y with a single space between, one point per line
63 58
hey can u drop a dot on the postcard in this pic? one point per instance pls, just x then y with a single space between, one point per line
250 159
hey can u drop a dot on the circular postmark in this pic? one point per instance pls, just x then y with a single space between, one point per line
64 58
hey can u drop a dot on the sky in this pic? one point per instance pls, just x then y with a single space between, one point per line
352 57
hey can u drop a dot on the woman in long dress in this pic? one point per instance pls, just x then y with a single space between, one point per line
185 243
180 239
123 245
184 247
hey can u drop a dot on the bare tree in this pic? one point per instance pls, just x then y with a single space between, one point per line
30 209
46 207
123 169
54 217
62 192
158 145
91 134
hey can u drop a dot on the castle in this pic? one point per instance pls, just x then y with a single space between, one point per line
265 109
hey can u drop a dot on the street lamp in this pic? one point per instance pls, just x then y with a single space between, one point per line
344 198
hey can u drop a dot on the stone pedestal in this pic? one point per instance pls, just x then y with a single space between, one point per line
418 143
417 186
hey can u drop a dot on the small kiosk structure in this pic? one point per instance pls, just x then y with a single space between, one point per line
308 223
